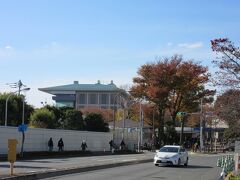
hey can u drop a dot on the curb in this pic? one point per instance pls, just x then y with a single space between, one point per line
61 172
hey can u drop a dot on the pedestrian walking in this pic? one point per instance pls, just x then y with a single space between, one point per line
84 145
111 144
122 145
50 145
60 145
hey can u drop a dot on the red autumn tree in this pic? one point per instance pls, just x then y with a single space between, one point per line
187 88
172 84
228 62
227 107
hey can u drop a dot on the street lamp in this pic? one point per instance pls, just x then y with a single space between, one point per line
6 105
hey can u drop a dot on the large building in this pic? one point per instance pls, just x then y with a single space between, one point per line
79 96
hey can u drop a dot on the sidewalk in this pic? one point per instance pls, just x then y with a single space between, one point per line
45 168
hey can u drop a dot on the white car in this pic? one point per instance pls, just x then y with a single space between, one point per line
172 155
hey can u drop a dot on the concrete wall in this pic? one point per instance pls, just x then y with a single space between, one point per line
36 139
130 138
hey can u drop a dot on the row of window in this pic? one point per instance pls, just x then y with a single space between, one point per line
95 98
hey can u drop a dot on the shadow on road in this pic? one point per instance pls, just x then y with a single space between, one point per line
189 166
45 161
158 177
19 166
34 161
197 167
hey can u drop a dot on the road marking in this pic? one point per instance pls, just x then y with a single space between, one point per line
105 160
129 160
117 159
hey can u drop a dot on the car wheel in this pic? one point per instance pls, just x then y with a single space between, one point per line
186 163
156 164
179 162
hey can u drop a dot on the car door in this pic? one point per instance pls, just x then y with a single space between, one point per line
183 155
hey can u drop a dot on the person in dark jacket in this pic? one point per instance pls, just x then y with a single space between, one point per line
111 145
50 145
122 145
60 145
84 145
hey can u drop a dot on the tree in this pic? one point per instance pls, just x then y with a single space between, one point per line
15 110
227 107
228 63
73 120
171 134
42 118
95 122
188 88
172 84
152 85
106 113
58 113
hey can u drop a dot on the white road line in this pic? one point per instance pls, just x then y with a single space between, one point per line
106 160
129 159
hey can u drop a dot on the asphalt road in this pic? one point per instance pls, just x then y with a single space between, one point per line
201 167
37 166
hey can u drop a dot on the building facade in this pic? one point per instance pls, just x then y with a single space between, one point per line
80 96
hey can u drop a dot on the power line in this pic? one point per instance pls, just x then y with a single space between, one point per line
18 85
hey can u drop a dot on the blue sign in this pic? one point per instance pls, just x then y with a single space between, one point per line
22 128
197 129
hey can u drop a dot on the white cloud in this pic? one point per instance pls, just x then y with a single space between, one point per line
195 45
169 44
8 47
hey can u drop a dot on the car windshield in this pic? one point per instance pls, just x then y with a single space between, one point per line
169 149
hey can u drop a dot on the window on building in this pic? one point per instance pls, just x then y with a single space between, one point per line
64 104
92 99
113 99
104 99
82 99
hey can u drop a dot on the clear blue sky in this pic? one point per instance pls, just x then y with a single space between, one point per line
54 42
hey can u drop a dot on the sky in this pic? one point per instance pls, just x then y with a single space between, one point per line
47 43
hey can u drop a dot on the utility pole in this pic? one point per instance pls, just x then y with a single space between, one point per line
140 134
18 85
201 126
153 136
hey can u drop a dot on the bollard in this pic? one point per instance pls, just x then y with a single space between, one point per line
12 153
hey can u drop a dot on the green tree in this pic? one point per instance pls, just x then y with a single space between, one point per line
59 115
73 120
95 122
42 118
15 110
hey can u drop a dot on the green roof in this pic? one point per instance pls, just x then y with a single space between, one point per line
82 87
